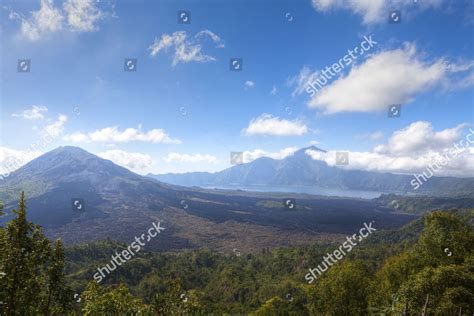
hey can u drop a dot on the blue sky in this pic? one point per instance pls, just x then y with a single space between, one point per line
184 110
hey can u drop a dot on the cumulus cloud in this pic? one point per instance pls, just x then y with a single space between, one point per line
136 162
389 77
190 158
35 113
114 135
418 138
372 11
249 84
185 49
47 19
80 16
258 153
412 150
56 128
266 124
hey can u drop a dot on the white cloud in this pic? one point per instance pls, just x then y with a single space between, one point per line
258 153
113 135
419 138
266 124
35 113
77 137
214 37
411 150
47 19
274 90
190 158
136 162
373 11
57 127
185 50
249 84
11 160
300 81
463 82
389 77
82 15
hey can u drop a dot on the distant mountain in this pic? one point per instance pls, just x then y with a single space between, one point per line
52 180
301 170
119 204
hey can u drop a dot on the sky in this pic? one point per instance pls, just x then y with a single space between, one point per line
184 108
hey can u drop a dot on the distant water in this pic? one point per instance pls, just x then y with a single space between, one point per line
304 189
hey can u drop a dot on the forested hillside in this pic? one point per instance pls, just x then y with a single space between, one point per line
427 264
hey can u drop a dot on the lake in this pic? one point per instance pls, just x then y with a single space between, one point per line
314 190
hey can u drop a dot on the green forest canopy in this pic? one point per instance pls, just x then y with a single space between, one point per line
392 272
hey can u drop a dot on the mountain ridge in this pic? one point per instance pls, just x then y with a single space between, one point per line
120 204
300 169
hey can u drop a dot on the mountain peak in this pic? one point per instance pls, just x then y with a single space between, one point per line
69 162
68 150
302 151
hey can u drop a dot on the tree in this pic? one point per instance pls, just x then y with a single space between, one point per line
25 256
449 288
33 280
445 239
176 301
436 272
274 306
390 277
343 291
99 300
58 294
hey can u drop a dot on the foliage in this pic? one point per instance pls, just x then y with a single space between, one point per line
100 300
33 280
427 264
344 290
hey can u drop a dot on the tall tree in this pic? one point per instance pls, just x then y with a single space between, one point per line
446 238
58 294
344 290
26 255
